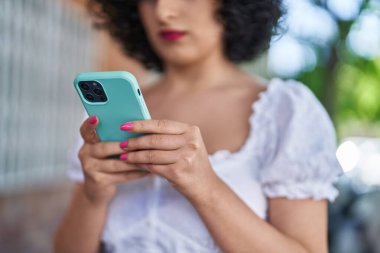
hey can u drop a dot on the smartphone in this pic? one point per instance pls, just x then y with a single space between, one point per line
115 98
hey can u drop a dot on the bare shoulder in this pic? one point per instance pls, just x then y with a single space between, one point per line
249 87
258 83
245 81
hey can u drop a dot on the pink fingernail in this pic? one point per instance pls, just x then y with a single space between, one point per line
126 127
124 144
123 157
92 120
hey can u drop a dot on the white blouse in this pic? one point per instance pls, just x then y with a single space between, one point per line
290 152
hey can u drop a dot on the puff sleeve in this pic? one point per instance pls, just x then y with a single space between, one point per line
301 162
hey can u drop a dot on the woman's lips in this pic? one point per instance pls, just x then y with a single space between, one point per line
171 35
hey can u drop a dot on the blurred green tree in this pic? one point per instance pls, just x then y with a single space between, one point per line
345 81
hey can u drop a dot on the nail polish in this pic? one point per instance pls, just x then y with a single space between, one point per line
124 144
123 157
126 127
92 120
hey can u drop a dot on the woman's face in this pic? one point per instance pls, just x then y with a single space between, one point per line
182 32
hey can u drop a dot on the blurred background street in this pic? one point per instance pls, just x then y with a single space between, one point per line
333 46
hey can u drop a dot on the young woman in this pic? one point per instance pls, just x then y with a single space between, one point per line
234 164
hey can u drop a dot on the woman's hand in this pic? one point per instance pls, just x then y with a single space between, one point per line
100 172
174 151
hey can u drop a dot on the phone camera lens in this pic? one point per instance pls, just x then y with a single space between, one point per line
89 97
103 98
98 92
84 86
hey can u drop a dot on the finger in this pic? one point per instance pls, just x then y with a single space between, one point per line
87 130
117 166
154 141
150 157
155 126
158 169
118 178
103 150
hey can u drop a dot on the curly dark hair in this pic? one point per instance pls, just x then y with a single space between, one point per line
248 27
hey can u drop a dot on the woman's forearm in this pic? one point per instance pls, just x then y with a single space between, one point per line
82 226
235 227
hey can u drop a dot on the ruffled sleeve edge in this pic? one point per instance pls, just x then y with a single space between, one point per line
313 190
306 187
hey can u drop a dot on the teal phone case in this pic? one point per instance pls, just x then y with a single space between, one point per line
125 103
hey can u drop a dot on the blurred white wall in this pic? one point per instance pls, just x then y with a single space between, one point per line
43 45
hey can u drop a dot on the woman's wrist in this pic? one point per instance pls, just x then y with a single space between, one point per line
95 200
208 193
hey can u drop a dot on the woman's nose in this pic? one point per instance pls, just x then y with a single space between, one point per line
166 10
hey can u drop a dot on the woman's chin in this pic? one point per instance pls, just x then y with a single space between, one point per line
180 60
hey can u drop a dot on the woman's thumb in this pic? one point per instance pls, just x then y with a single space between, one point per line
87 130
